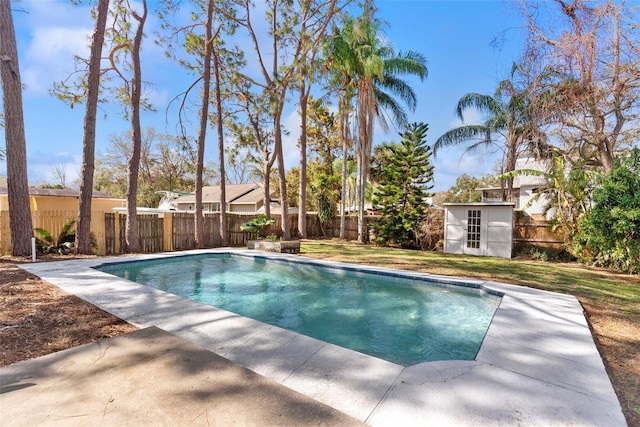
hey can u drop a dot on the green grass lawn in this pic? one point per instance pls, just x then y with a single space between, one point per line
611 300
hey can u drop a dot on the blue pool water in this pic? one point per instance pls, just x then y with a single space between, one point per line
399 319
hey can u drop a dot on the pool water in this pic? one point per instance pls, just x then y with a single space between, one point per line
403 320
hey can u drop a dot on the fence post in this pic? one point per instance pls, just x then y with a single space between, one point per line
116 232
167 232
99 230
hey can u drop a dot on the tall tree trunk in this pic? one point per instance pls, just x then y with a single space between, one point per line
343 196
132 236
365 129
202 133
224 235
360 197
266 178
83 230
21 228
512 156
284 203
343 133
302 205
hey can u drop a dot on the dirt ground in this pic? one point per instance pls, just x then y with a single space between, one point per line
38 318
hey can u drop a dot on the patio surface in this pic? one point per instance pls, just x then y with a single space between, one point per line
538 364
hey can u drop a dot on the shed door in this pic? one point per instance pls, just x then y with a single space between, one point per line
475 236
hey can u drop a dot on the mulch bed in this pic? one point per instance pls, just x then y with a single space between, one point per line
38 318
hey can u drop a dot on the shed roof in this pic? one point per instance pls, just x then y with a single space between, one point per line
512 204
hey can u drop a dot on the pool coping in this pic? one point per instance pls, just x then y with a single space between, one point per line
538 364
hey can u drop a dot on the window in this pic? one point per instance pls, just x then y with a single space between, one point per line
473 229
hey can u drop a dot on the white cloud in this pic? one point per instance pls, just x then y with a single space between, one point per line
456 162
469 163
40 165
159 99
49 34
291 124
471 117
50 56
71 170
51 43
57 32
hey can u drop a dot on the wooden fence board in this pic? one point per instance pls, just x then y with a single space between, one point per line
53 221
110 233
183 231
5 233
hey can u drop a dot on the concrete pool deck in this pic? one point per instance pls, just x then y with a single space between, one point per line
538 364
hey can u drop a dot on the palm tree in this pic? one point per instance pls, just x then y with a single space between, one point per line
339 61
508 124
372 68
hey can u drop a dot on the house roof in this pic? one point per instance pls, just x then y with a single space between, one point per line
251 197
235 193
56 192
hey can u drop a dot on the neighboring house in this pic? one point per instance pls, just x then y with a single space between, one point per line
49 199
52 208
525 188
245 198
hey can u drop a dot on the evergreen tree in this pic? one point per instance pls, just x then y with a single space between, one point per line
405 177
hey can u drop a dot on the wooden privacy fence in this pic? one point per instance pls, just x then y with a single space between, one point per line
527 231
174 231
53 221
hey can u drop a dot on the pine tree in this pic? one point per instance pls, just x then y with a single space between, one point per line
21 229
405 175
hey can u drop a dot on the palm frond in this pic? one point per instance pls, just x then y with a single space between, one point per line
44 235
522 172
67 234
463 134
408 63
390 104
484 104
480 146
400 88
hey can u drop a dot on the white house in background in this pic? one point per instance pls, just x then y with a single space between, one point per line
245 198
525 188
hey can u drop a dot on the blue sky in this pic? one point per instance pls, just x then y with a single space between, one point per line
455 37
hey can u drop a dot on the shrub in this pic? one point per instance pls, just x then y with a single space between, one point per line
65 242
609 234
430 232
256 225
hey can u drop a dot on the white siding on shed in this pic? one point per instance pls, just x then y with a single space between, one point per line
454 230
496 229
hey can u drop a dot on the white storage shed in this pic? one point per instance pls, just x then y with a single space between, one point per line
484 229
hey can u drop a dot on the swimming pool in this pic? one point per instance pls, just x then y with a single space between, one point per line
394 317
